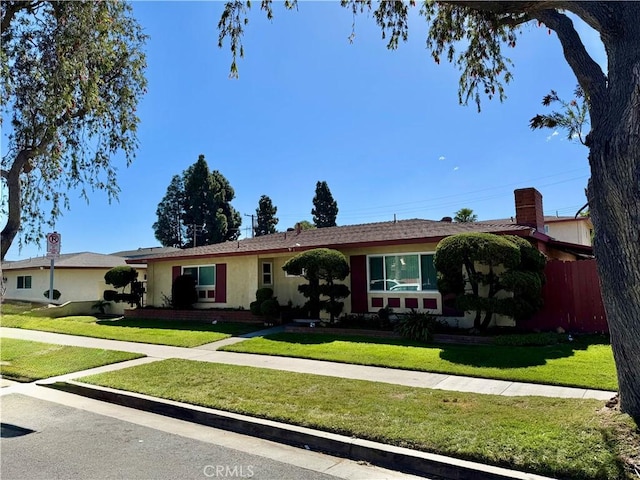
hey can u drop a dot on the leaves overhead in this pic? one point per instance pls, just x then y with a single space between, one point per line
72 77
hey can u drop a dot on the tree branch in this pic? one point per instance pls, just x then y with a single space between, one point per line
589 74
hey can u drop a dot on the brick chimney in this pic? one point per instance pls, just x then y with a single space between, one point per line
529 208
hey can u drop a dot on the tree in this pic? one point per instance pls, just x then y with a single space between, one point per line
120 277
266 217
479 267
304 225
196 210
72 77
465 215
325 208
473 35
574 117
169 230
321 264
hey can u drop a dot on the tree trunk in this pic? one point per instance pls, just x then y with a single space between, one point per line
14 189
614 201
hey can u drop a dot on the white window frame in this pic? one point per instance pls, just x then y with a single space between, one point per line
24 282
384 268
205 289
289 275
264 274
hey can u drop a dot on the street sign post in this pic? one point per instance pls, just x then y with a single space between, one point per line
53 252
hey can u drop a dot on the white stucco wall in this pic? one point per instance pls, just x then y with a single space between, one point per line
74 284
578 231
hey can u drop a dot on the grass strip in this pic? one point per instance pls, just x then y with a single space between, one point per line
564 438
26 361
586 363
160 332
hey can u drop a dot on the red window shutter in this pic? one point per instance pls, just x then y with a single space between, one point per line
359 302
221 283
175 272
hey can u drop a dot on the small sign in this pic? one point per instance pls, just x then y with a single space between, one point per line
53 245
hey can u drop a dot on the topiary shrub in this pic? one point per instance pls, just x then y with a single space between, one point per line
183 292
121 276
265 305
56 294
110 296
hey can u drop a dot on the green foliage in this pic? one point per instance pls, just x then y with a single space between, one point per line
459 260
101 306
325 208
110 295
574 117
416 326
72 77
465 215
56 294
264 293
321 264
270 308
266 304
266 217
183 292
121 276
169 229
196 210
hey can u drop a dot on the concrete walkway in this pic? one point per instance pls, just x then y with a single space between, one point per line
208 353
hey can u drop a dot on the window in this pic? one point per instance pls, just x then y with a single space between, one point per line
267 273
24 281
402 272
205 276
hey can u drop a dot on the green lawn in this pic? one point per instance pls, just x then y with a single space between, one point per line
586 362
26 361
163 332
565 438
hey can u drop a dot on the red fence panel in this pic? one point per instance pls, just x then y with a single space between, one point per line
572 299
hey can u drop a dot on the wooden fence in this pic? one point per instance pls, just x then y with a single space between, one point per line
572 299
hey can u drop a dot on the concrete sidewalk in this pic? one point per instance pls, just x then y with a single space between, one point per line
207 353
362 451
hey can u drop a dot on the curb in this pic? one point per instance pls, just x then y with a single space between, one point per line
382 455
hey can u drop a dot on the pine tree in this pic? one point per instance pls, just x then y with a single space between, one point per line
325 208
266 217
169 229
205 212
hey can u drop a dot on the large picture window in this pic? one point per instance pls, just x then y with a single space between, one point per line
24 281
205 276
402 272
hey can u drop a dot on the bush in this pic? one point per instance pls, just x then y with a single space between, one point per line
183 292
121 276
416 326
263 294
270 308
56 294
110 296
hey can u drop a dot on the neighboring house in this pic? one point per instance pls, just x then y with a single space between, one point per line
391 263
144 251
77 276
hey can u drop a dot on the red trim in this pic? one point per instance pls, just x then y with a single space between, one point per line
221 283
430 303
358 265
175 271
410 303
377 302
393 302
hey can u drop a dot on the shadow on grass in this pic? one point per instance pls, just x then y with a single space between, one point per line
483 356
229 328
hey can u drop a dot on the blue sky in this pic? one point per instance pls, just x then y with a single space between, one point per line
382 128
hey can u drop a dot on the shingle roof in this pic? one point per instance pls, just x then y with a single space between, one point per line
144 251
68 260
402 231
